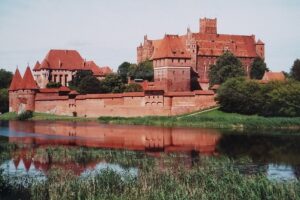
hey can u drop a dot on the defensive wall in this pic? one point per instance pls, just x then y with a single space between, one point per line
124 104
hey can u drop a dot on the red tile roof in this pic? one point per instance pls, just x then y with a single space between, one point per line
273 76
16 82
171 46
209 45
64 89
28 82
69 60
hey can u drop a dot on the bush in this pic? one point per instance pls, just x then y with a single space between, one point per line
133 87
25 115
4 104
53 85
250 97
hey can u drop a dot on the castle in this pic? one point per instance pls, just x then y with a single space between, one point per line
60 66
174 55
175 60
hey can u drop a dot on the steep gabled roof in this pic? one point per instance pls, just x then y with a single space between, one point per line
16 82
62 59
37 66
28 82
69 60
170 47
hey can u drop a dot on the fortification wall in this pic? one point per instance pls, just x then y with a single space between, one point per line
125 105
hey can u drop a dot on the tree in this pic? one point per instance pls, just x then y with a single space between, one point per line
90 85
240 96
79 76
227 66
112 83
53 85
5 78
143 70
295 70
258 68
123 71
281 99
4 104
133 87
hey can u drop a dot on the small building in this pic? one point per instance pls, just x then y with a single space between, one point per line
273 76
60 66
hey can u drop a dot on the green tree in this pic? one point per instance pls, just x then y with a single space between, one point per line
53 85
5 78
90 85
295 70
123 71
281 99
240 96
133 87
79 76
112 83
4 104
227 66
258 68
143 70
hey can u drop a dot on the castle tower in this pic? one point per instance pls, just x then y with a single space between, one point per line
22 92
15 85
260 49
172 65
208 26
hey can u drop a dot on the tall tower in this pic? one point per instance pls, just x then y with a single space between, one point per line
208 26
22 92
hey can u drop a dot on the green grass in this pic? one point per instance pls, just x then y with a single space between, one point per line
8 116
208 178
212 119
45 116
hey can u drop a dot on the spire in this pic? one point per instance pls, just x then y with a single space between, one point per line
28 82
16 82
36 66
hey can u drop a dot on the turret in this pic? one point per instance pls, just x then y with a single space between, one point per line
22 92
260 49
208 26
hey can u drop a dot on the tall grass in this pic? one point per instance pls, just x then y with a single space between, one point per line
163 178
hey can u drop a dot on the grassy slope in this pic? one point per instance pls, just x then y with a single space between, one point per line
210 119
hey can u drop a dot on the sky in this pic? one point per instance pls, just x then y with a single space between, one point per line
108 31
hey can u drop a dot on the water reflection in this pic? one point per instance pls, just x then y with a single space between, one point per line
92 134
274 155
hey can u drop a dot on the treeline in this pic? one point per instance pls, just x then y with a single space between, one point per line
5 79
85 83
249 96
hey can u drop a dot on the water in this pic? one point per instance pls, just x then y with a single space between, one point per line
276 155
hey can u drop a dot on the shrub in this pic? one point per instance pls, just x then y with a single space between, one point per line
133 87
25 115
249 97
53 85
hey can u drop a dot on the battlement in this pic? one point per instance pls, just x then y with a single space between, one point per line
208 26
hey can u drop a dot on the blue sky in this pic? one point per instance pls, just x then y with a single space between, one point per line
108 31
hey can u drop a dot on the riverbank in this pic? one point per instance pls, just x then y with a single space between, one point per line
208 177
212 119
207 119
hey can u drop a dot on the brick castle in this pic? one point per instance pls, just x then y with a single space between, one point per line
173 56
175 59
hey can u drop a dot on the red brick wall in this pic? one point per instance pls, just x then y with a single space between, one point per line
126 106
